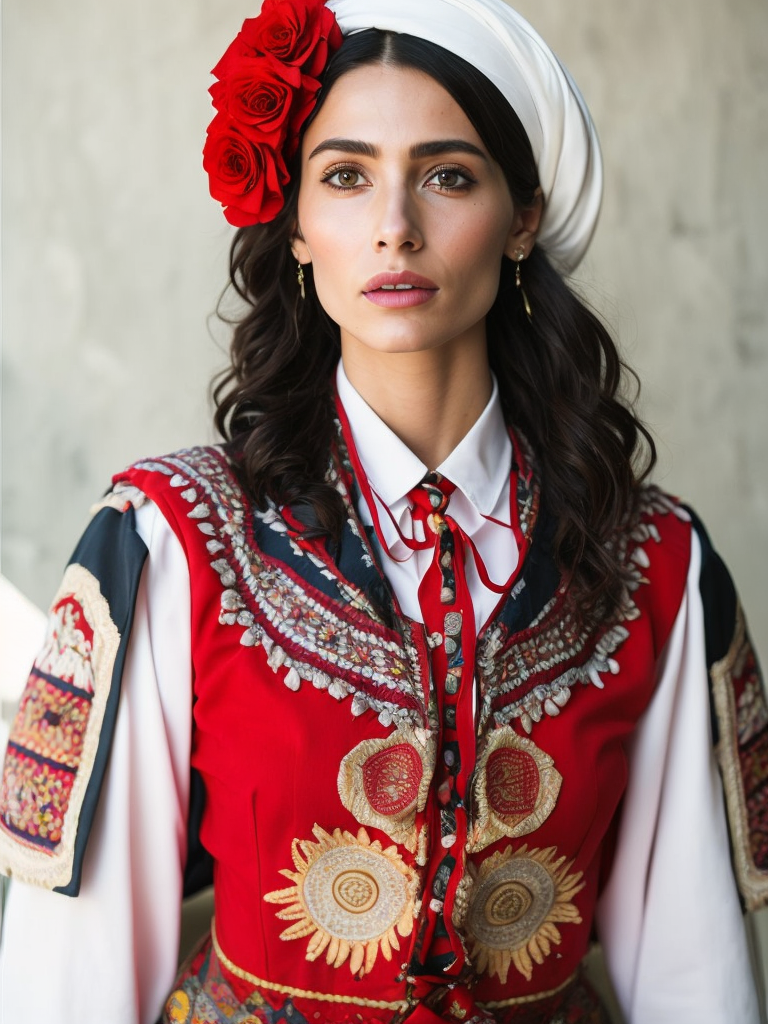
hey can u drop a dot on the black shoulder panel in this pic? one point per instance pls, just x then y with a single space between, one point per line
113 552
718 595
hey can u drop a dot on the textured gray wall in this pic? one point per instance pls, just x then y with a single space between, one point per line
114 256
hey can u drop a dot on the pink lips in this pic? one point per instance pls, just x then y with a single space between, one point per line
399 291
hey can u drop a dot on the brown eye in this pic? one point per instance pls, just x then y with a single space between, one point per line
451 179
448 179
347 177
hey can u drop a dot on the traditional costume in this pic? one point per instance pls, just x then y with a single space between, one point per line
419 781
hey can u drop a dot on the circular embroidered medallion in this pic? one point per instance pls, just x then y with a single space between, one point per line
512 781
351 896
355 891
516 788
517 900
391 778
384 782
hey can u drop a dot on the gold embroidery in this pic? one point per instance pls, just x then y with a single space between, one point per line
384 782
350 896
499 1004
518 898
377 1004
300 993
516 789
752 881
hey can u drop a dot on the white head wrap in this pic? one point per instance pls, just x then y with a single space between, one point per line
505 48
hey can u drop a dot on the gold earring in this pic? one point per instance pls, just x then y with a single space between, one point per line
300 279
518 257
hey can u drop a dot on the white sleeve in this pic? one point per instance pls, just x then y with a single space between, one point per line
669 919
110 953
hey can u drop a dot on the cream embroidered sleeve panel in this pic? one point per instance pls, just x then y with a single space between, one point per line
110 953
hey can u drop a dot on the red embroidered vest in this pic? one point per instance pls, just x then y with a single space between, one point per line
316 736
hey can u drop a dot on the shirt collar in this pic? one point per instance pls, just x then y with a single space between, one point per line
479 465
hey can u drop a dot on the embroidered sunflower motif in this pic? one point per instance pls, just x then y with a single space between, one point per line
350 895
518 899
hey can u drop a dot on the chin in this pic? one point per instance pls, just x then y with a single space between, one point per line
394 341
401 346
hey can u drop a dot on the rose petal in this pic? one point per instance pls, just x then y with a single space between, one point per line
244 177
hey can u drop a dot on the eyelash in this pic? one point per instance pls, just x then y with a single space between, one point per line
338 169
467 180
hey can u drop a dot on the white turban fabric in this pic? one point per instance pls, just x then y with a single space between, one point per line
505 48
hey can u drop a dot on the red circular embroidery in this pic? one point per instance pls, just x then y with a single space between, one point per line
391 778
512 782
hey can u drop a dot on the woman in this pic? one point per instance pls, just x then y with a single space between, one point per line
461 488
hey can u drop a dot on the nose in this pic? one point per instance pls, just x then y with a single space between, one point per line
396 224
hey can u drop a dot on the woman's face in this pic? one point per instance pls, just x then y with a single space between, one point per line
403 214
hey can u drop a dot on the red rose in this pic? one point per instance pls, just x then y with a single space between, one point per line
267 87
303 105
296 32
245 177
260 96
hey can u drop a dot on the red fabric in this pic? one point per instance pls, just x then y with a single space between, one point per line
446 603
270 755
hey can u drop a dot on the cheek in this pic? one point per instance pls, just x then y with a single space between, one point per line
483 237
477 252
330 246
330 269
331 263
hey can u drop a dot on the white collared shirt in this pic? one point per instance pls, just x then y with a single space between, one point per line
480 468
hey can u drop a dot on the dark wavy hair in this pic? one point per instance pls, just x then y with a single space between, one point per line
560 375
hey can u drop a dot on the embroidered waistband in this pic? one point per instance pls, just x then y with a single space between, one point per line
376 1004
301 993
534 997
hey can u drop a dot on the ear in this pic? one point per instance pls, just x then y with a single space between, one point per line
299 247
525 227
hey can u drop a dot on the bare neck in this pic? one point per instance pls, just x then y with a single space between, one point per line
429 399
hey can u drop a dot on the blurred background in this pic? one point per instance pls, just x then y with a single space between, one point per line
114 256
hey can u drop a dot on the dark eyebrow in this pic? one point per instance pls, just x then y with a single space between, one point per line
353 146
440 146
417 152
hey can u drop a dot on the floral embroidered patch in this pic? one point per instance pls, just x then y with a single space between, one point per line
55 736
511 908
350 895
384 782
516 789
